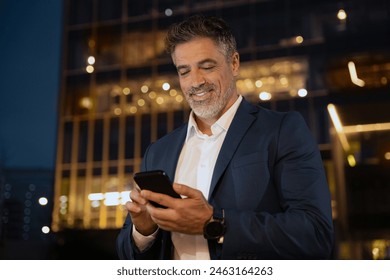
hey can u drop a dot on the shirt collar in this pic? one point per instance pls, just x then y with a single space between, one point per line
222 124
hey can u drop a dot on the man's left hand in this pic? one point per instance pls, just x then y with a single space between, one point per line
187 215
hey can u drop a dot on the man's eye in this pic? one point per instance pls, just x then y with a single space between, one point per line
209 67
183 73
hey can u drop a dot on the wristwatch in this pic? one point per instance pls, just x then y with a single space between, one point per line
215 228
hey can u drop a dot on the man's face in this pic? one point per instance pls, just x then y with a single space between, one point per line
206 77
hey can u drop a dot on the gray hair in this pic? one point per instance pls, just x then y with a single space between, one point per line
199 26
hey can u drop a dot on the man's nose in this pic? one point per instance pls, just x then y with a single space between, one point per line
197 79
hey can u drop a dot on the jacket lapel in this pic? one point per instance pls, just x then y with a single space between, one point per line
172 157
237 130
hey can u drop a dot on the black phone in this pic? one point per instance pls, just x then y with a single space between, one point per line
155 181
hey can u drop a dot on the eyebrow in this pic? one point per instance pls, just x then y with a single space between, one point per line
200 63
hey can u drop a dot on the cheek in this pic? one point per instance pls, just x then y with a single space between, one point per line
183 85
224 83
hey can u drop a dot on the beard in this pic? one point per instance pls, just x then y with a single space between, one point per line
212 106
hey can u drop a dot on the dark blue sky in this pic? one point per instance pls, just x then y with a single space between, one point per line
30 58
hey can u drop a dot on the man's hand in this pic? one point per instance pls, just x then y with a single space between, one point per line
187 215
139 214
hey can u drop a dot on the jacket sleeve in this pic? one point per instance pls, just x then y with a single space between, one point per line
124 243
125 246
127 250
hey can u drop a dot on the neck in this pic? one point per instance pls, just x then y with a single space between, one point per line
204 125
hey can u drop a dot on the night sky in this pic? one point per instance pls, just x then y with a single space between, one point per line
30 59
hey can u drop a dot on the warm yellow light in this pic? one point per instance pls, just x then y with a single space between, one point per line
173 92
299 39
144 88
341 14
86 103
338 126
258 83
89 69
351 160
375 253
126 91
160 100
283 80
117 111
366 127
248 84
240 83
335 118
387 156
354 76
152 95
141 102
179 98
271 80
132 109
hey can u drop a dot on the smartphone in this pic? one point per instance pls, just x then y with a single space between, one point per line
155 181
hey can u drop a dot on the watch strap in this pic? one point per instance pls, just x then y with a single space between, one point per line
218 214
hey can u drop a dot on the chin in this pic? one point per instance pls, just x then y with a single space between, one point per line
206 113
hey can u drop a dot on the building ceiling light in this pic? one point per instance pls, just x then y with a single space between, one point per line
353 74
341 15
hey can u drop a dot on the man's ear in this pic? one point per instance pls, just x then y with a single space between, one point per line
235 64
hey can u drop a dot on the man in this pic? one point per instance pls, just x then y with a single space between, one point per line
251 180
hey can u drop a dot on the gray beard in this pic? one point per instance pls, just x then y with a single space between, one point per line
210 108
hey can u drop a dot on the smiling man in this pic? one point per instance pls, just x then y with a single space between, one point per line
251 180
207 78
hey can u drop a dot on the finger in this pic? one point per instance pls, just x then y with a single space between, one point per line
159 198
135 196
160 215
185 191
133 207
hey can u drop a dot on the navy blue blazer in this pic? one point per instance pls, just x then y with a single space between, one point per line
269 179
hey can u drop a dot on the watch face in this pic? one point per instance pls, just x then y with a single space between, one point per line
214 229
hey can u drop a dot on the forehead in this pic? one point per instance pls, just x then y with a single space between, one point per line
196 50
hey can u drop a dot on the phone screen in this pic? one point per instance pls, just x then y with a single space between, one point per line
155 181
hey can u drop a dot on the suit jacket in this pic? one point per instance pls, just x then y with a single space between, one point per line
270 181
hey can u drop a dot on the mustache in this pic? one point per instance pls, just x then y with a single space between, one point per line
202 88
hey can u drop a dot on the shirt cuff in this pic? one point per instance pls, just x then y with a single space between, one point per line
141 241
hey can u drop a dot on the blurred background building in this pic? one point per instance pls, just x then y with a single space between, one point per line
117 91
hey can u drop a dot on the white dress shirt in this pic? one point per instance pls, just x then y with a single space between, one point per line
195 169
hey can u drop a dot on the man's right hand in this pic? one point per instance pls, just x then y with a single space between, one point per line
139 215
